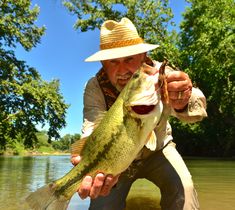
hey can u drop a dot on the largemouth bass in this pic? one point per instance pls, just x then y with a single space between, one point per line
114 143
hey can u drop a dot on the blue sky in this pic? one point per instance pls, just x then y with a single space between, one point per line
61 54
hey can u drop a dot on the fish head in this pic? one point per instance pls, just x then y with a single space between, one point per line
141 97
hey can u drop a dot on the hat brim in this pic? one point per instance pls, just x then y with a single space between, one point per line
121 52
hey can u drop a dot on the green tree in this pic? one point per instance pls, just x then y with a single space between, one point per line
151 17
42 138
25 99
65 142
75 137
208 53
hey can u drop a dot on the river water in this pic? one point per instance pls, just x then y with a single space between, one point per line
214 180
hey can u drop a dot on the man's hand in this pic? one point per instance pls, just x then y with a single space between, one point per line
179 88
100 186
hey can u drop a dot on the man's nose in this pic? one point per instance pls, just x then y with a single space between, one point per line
122 69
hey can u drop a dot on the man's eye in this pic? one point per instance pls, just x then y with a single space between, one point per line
113 62
129 60
136 75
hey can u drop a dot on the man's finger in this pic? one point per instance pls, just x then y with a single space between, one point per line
176 76
97 185
178 85
110 181
178 81
75 159
180 95
85 187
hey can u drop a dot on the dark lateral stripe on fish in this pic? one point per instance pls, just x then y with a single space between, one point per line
93 164
137 120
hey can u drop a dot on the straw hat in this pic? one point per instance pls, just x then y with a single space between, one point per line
119 39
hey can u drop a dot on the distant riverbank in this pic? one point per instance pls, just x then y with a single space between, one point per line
34 153
52 152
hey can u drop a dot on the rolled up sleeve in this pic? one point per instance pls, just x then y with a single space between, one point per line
94 104
196 109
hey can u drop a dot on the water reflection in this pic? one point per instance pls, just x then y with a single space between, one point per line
214 180
21 175
13 182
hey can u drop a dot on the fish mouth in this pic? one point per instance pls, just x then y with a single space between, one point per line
142 109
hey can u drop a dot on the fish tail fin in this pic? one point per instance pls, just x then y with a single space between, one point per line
44 198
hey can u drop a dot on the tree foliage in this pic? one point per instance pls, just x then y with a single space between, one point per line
208 53
25 99
65 142
17 24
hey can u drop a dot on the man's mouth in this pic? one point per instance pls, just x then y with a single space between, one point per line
123 82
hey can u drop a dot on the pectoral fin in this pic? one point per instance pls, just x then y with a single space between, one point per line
77 146
152 141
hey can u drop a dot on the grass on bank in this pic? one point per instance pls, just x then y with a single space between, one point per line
18 148
40 146
29 152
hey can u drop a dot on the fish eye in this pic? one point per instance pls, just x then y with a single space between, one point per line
136 75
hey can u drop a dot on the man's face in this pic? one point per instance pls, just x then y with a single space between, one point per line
120 70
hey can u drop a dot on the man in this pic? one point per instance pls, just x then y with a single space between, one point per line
121 53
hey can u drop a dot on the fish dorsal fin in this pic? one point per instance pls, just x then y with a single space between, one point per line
99 117
77 146
152 141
